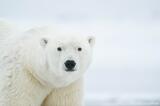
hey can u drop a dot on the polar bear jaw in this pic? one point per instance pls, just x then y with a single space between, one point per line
46 62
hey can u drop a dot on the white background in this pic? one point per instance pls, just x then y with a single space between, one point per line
127 52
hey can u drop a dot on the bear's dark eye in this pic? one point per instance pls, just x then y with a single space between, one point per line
59 49
79 49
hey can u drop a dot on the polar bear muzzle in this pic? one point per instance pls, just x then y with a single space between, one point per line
70 65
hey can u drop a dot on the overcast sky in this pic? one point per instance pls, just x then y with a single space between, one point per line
70 10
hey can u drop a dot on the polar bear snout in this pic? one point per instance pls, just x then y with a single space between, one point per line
70 65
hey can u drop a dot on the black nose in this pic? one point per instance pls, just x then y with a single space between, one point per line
70 64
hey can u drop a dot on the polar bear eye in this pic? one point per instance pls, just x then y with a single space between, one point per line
59 49
79 49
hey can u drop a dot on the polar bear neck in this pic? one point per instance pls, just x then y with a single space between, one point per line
19 85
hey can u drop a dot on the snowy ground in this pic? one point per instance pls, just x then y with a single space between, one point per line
123 101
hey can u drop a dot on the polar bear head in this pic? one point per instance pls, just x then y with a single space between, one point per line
57 59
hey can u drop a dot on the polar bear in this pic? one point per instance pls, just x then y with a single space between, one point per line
43 67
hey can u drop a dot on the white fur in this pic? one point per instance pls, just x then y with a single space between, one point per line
32 72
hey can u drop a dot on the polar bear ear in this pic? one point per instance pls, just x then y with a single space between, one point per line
43 42
91 40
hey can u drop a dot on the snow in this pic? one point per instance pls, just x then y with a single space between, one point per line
117 100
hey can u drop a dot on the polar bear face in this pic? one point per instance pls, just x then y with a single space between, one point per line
60 60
